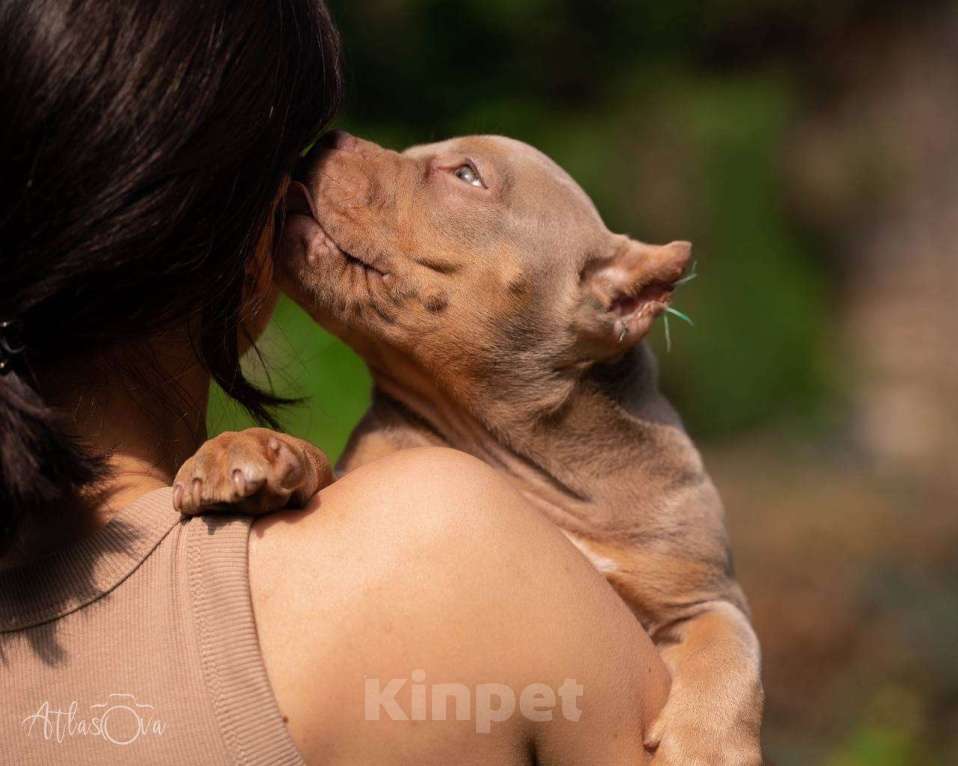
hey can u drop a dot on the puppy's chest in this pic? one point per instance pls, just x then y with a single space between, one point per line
606 509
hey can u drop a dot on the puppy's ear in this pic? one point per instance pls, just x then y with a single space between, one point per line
624 290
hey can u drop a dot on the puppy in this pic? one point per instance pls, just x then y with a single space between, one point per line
498 315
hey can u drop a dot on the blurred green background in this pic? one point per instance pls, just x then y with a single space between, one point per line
807 149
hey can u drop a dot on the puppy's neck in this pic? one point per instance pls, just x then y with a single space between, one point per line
607 430
418 410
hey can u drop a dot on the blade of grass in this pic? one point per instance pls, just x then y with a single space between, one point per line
679 314
690 276
668 336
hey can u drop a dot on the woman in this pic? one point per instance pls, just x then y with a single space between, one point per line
146 149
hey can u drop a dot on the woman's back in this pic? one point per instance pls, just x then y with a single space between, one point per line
138 645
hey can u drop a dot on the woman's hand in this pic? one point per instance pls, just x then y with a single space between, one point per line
254 471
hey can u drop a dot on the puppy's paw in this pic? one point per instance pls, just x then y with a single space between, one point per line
254 471
689 732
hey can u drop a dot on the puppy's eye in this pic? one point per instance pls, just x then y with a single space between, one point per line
468 174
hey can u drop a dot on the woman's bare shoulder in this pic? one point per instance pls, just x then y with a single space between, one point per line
427 568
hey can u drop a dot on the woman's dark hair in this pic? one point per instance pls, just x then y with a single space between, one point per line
141 148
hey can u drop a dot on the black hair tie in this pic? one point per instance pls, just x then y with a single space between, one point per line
11 343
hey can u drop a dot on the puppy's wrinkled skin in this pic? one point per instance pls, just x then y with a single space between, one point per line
255 471
498 315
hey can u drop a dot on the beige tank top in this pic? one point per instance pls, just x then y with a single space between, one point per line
138 645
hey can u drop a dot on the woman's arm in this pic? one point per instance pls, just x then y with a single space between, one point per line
425 569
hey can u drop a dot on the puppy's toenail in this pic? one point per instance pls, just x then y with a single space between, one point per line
177 495
273 445
239 480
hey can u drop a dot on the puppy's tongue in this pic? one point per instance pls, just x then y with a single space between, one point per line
299 200
302 218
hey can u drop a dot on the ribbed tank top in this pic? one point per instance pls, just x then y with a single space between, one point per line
138 645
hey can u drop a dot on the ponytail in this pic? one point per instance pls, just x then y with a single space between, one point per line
42 466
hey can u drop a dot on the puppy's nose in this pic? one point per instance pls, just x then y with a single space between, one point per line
334 140
339 139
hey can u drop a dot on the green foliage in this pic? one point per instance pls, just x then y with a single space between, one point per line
758 352
889 732
308 363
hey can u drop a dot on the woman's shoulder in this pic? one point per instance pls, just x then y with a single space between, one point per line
427 500
426 568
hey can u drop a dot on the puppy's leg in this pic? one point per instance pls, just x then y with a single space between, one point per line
714 711
253 471
696 615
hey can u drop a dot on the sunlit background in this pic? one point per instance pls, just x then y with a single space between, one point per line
810 151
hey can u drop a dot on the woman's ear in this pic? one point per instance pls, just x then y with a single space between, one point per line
623 291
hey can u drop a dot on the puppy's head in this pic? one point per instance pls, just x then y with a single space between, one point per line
476 253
